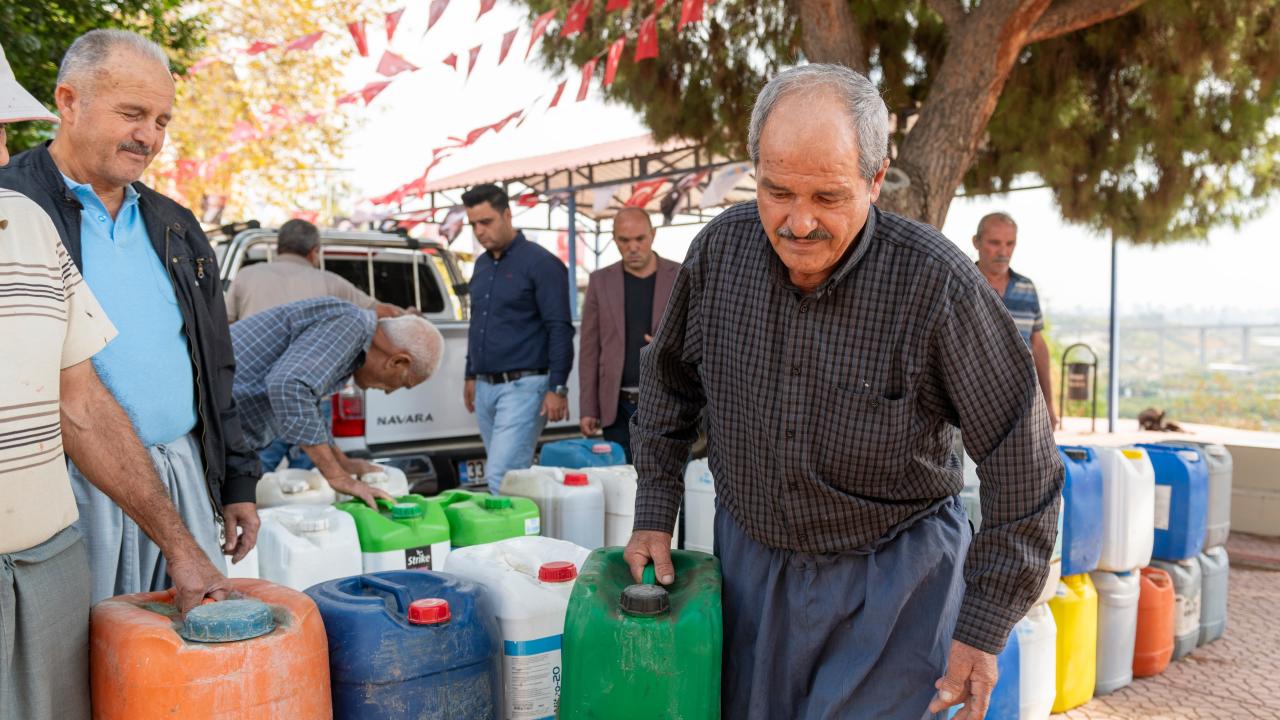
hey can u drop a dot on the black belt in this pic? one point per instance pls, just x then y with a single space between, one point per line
632 397
509 376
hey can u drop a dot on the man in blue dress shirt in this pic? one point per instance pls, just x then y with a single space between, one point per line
520 344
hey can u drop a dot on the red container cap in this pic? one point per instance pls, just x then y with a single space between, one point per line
602 448
576 479
429 611
559 571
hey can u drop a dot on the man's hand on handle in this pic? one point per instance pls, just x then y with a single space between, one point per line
195 578
971 675
589 426
469 395
350 486
650 546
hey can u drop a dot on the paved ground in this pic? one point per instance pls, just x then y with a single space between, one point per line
1235 677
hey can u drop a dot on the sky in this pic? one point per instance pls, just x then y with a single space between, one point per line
1229 278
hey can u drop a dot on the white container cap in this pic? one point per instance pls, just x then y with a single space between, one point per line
293 485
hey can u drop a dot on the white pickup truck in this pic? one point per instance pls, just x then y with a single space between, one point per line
425 431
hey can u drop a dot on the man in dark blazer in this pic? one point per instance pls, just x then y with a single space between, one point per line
624 304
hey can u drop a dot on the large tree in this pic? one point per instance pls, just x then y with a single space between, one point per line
36 33
1154 119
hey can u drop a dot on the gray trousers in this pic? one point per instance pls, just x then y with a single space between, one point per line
44 631
840 636
122 559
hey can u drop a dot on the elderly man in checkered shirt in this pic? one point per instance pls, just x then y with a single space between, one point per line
292 357
836 349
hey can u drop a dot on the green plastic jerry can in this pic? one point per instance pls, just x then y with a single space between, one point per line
643 651
410 534
479 518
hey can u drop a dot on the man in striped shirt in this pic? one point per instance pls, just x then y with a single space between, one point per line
51 400
995 241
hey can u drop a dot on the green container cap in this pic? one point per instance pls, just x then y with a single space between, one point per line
645 600
405 511
497 503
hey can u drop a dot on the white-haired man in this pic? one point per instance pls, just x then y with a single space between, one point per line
51 403
836 348
291 358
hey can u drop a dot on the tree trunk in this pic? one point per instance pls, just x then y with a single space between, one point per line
828 33
984 45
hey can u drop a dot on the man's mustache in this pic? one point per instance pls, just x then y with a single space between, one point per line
135 148
785 233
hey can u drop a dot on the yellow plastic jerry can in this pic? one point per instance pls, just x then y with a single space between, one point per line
1075 611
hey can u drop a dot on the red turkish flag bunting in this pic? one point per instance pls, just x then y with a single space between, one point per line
576 19
617 5
658 8
528 200
588 71
539 27
507 39
258 47
452 60
486 6
392 64
370 91
393 22
647 42
471 61
437 9
498 126
357 33
305 42
615 57
690 12
559 91
643 192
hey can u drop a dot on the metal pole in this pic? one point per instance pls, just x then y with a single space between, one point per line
573 253
1113 351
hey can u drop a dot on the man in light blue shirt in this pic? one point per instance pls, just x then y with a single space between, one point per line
148 367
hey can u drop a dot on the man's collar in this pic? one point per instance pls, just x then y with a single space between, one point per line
857 249
517 240
85 190
294 258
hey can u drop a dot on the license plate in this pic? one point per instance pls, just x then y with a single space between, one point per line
471 472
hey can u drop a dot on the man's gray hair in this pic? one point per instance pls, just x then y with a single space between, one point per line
997 216
297 237
866 109
90 51
417 336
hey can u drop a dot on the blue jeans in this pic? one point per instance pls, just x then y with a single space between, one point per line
510 423
272 454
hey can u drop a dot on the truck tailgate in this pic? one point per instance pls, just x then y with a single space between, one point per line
434 410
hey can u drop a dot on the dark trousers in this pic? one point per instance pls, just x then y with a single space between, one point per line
620 430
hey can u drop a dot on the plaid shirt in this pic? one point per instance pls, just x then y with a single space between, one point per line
289 359
832 416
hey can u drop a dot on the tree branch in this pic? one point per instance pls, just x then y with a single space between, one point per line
1067 16
828 33
951 11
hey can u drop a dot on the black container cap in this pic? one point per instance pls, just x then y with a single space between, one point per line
645 600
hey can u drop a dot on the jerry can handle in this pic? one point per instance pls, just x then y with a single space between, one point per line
1077 454
396 590
649 577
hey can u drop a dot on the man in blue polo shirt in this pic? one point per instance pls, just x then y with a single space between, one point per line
520 344
995 241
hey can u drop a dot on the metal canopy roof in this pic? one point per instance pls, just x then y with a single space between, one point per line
583 172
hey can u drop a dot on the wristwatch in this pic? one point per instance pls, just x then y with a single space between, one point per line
561 390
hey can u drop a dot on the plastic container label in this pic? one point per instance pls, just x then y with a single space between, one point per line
419 557
533 674
1164 498
1188 611
532 526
